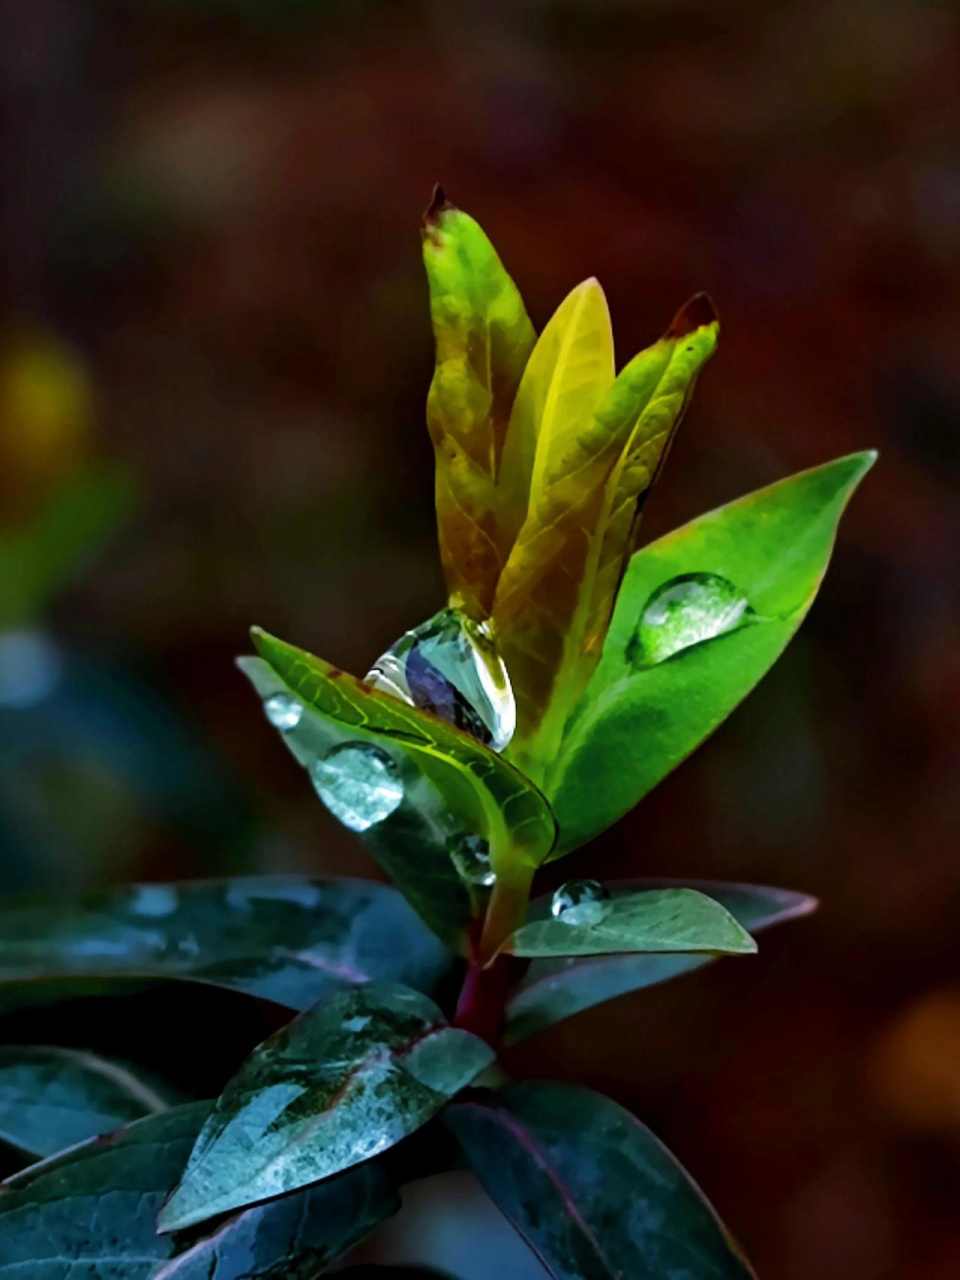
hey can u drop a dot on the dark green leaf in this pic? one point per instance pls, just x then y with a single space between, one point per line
556 989
341 1083
639 718
54 1098
93 1212
590 1188
284 938
661 920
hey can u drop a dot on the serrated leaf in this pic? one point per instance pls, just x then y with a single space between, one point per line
591 1190
93 1211
553 990
483 338
661 920
589 482
289 939
636 722
52 1098
341 1083
488 795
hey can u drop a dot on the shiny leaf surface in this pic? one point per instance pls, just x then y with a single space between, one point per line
341 1083
53 1098
284 938
488 795
557 989
662 920
636 722
590 1188
93 1211
483 338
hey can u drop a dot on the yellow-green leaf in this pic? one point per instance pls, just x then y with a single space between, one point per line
490 796
556 592
568 373
483 338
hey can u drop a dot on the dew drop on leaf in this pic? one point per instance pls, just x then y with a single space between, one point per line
283 712
358 783
471 857
580 902
450 666
686 611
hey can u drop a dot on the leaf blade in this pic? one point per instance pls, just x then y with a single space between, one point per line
343 1082
554 990
592 1191
774 544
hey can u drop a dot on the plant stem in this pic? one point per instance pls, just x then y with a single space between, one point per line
506 910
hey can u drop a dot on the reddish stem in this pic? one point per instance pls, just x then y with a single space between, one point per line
483 997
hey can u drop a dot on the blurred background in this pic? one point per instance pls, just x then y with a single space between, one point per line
214 354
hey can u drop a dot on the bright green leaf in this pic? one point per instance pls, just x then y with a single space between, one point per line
93 1212
484 338
637 721
553 990
661 920
52 1098
591 1190
341 1083
487 795
283 938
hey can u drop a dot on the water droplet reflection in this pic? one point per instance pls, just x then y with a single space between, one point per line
686 611
359 784
283 711
450 666
471 857
580 902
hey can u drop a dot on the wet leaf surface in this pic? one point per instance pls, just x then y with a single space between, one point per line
556 989
590 1188
636 721
340 1084
661 920
290 939
53 1098
93 1211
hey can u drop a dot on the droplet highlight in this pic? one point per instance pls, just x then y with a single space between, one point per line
471 857
283 711
450 666
686 611
580 902
359 784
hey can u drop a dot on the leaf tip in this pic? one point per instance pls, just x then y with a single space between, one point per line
695 314
439 204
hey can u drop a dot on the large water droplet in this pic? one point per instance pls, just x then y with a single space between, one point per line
580 902
283 712
450 666
358 783
471 857
684 612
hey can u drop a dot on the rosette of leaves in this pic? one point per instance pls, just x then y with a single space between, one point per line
569 671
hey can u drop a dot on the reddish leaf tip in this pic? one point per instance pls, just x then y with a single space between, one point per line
438 204
695 314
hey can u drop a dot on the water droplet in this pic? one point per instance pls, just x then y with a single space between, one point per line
358 783
450 666
580 902
684 612
471 857
283 712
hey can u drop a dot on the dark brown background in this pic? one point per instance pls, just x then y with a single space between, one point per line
216 205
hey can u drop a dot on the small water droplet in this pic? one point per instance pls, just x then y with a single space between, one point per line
580 902
358 783
471 857
686 611
450 666
283 712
